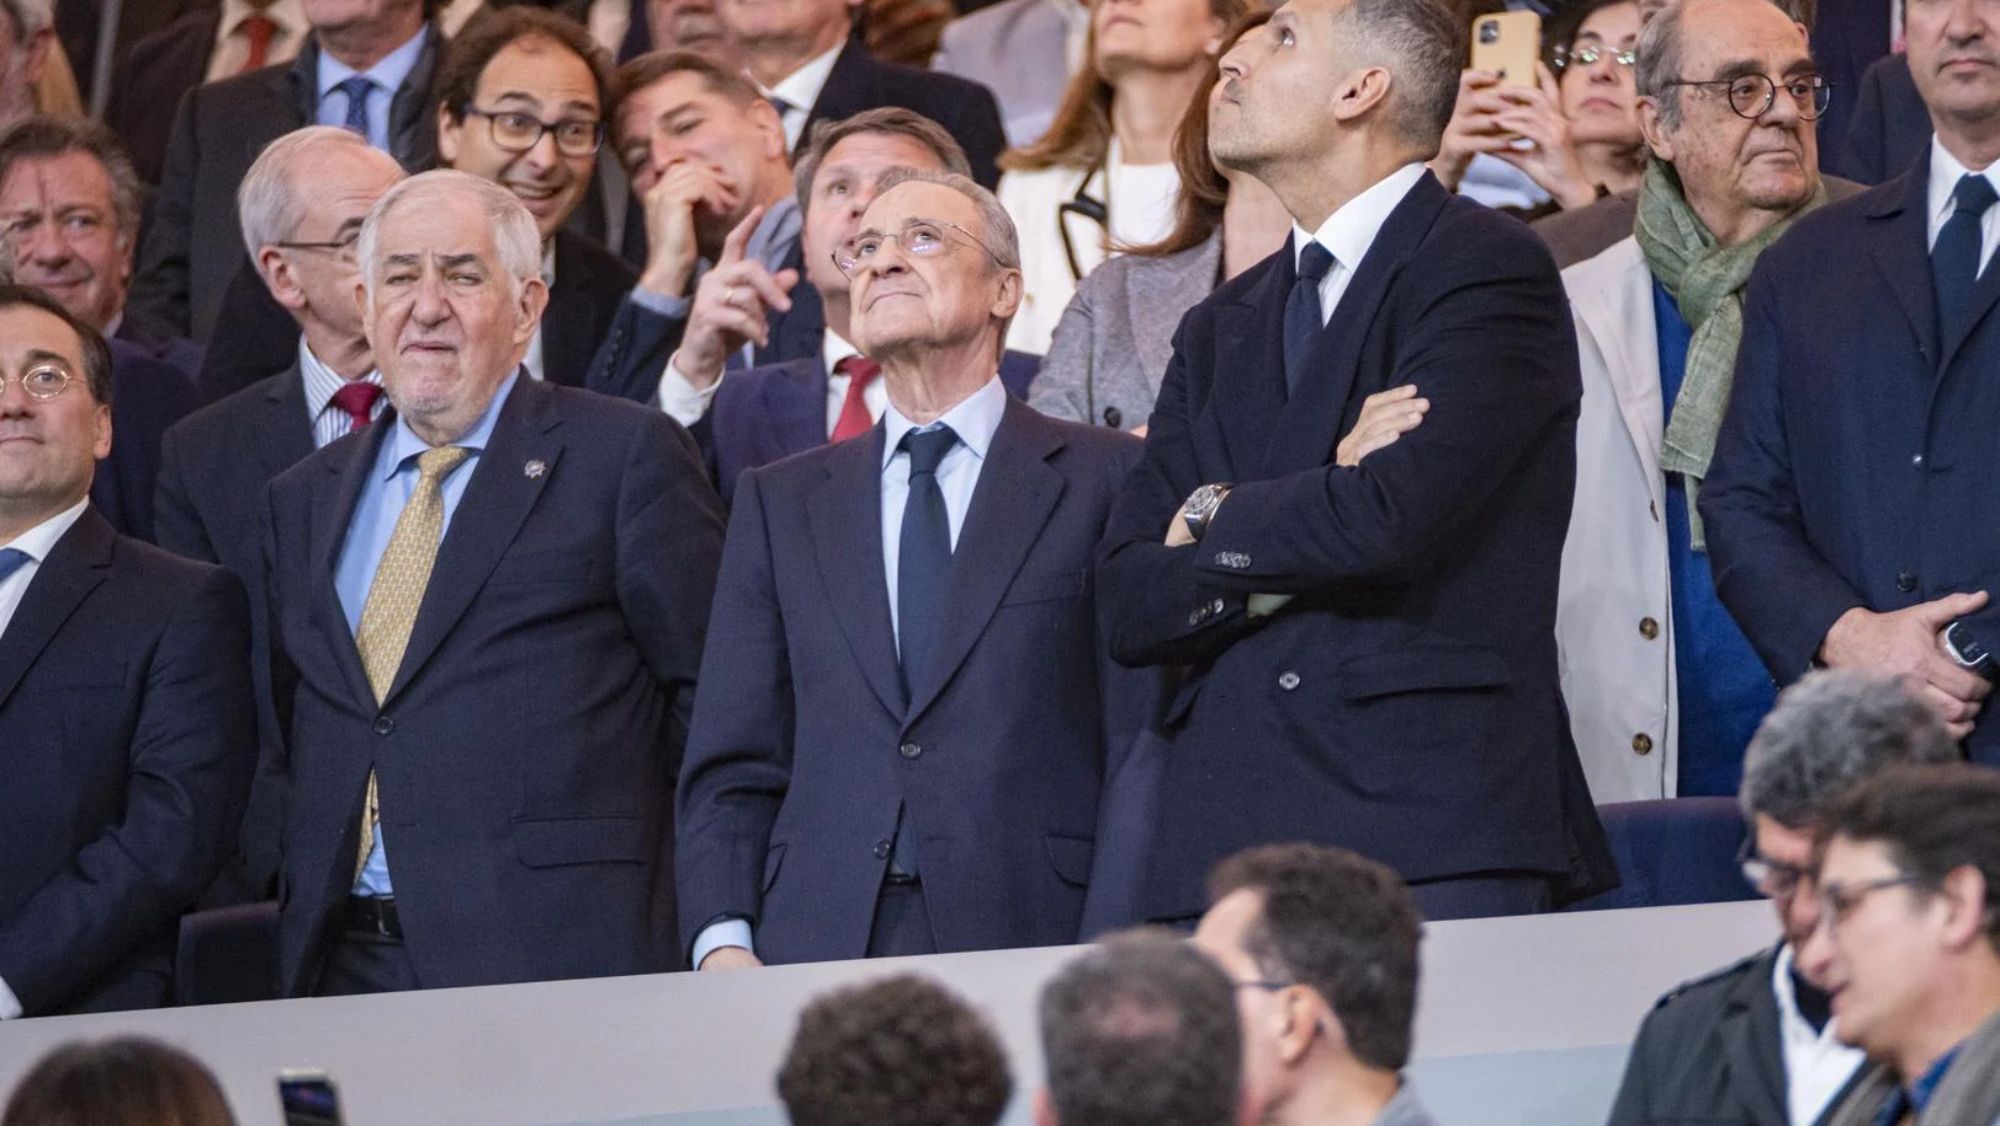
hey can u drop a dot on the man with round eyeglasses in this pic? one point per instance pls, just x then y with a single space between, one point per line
1754 1043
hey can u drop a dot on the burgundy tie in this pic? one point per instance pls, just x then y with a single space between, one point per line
854 417
357 400
258 30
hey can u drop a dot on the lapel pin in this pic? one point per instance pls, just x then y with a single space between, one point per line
535 468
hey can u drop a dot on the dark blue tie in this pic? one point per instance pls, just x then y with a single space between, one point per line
924 559
11 560
357 90
1955 258
1303 318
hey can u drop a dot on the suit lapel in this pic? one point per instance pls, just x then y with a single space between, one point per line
1248 387
1619 318
287 434
1899 244
1985 292
1751 1037
333 510
80 561
1017 491
1310 424
565 321
850 88
488 518
846 519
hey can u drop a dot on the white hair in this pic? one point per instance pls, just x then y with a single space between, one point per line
515 237
267 202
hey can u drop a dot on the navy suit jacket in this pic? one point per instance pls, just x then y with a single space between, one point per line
967 110
158 73
527 750
768 413
804 745
1406 705
1891 126
126 745
149 393
1847 38
1853 467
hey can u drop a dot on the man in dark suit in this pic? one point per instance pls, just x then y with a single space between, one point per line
125 698
1890 127
1371 645
907 705
487 616
1754 1043
1847 37
371 73
1848 519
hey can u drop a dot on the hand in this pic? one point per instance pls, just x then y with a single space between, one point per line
1472 129
1178 534
729 958
729 306
1536 113
1138 431
1909 644
1385 417
670 208
906 31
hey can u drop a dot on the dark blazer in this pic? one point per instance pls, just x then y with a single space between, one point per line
125 718
1891 127
1711 1051
78 26
193 244
966 109
148 395
804 746
1406 705
214 466
767 413
1847 38
1586 232
540 709
1851 466
158 73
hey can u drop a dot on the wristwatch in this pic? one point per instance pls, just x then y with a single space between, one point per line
1967 652
1200 507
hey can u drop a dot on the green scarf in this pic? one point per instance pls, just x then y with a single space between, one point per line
1706 281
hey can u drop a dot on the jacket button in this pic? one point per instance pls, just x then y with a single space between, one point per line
910 750
384 725
1288 680
1197 615
1642 743
1906 582
1216 606
881 850
1648 628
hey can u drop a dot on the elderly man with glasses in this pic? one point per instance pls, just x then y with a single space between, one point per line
1754 1043
907 702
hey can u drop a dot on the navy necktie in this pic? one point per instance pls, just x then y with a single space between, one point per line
1303 318
357 90
11 560
1955 258
923 560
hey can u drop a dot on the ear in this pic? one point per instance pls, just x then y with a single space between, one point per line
1045 1108
1308 1018
448 137
276 269
1964 894
1361 93
1655 132
765 116
101 447
1008 301
367 322
534 299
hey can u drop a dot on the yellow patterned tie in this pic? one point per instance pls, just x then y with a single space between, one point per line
397 592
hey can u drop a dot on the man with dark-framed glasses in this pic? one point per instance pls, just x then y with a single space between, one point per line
1907 942
1754 1043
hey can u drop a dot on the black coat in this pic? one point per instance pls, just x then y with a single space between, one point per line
149 394
965 108
1891 127
158 73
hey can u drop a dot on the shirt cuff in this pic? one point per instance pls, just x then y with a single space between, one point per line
10 1005
715 936
660 303
679 398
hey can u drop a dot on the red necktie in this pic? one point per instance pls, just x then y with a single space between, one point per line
357 399
854 417
259 30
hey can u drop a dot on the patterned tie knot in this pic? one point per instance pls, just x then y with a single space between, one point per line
434 463
1973 194
357 401
928 447
357 90
860 369
1314 261
258 31
12 559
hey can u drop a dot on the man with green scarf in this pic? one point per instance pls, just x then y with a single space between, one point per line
1663 689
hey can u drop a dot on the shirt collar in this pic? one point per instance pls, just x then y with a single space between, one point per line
834 348
974 420
387 74
1350 231
800 89
41 539
322 381
1915 1096
1946 172
404 445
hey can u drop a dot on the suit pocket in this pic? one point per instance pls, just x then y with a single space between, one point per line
1046 587
1415 721
774 859
1070 857
555 841
1425 668
540 567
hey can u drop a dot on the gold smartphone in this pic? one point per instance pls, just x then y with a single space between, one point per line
1508 44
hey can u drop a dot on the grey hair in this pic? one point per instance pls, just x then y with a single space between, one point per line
887 121
999 232
1659 50
1422 43
31 17
514 235
1832 729
267 201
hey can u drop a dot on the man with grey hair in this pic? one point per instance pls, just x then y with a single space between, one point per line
487 611
908 704
1755 1043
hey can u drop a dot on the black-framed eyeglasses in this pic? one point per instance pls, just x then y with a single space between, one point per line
1838 901
919 238
43 381
1590 54
514 131
1753 95
1773 877
342 247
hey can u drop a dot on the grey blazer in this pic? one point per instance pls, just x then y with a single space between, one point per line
1112 345
1019 49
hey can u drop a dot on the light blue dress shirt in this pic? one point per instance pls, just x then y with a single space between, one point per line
383 495
975 421
388 76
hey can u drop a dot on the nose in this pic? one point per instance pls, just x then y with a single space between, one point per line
429 305
1233 63
1784 112
1962 22
1815 958
15 401
45 243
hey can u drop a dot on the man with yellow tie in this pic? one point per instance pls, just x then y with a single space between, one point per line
488 611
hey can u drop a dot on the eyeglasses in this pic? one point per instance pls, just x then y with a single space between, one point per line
342 248
43 381
1266 986
1772 877
517 132
1753 95
1589 56
1838 901
919 238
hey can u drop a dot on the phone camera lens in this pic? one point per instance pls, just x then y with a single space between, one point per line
1489 32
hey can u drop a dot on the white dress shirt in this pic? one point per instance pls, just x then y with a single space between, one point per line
799 91
533 359
975 421
37 542
232 43
1946 171
330 423
1350 231
686 404
1817 1064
